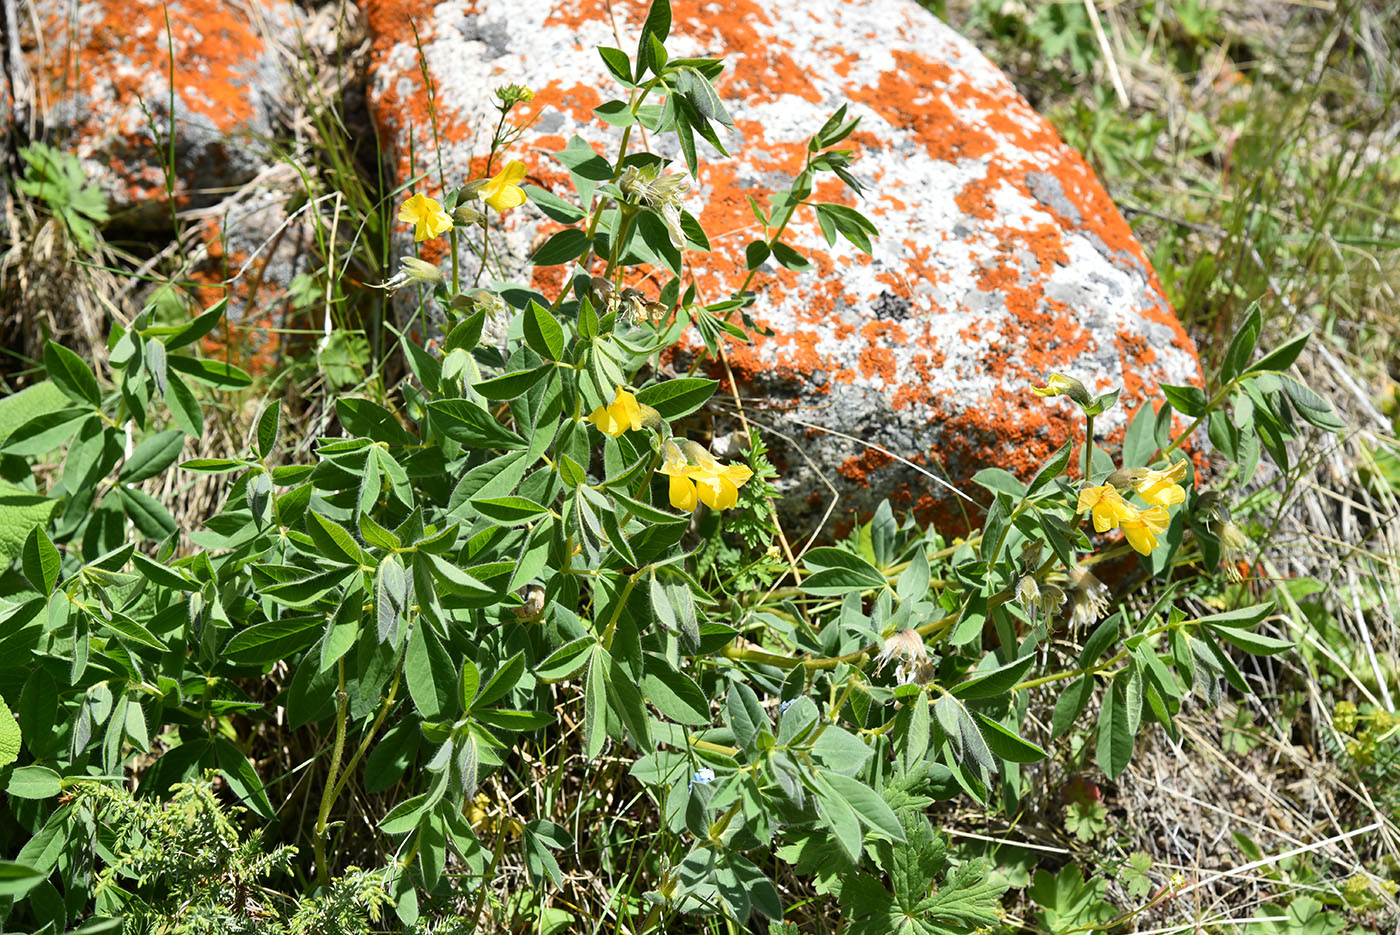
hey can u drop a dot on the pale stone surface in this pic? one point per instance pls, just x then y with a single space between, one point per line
1000 258
253 250
102 76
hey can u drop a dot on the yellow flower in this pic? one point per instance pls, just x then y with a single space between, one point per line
426 216
1111 511
674 466
1159 488
1108 507
697 477
623 413
1143 529
502 191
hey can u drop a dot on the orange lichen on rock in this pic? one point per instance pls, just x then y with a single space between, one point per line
104 84
1000 256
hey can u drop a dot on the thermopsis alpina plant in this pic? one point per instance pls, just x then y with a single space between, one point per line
527 550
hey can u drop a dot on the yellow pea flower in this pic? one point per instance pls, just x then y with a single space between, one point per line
682 488
502 191
720 490
1143 529
1107 505
623 413
1162 488
696 476
426 216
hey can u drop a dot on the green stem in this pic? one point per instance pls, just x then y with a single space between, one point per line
485 250
385 706
1088 446
1091 670
617 609
634 104
619 238
1211 406
488 877
788 212
342 706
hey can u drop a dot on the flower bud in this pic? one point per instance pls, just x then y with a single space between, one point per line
1058 384
468 215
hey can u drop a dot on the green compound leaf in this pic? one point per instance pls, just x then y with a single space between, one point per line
1241 346
1188 400
1054 466
509 509
335 541
432 679
1283 356
205 323
1070 705
675 694
1254 643
28 403
1312 407
1008 745
147 514
867 804
994 682
469 424
551 204
512 384
619 65
273 640
564 247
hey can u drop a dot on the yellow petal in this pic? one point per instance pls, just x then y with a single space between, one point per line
507 197
1156 519
426 216
603 418
1140 537
412 209
738 474
438 222
1088 497
513 173
1108 506
626 410
682 493
1162 493
716 491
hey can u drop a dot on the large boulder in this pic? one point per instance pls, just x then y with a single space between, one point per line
102 78
1000 256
